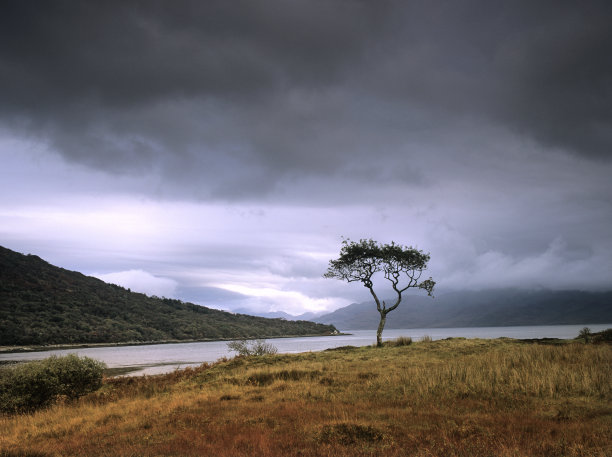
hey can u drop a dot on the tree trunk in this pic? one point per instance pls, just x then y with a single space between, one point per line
381 326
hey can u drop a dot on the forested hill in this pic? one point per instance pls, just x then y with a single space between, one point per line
43 304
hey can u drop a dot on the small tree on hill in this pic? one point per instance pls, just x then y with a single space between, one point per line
402 266
586 335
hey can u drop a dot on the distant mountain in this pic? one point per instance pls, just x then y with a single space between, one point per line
490 308
43 304
269 315
309 316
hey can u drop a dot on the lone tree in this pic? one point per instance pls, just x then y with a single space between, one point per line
402 267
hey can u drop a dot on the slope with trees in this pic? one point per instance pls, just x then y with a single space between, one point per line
41 304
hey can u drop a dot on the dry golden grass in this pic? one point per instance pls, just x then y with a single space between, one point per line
442 398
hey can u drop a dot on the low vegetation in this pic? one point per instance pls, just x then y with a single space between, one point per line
451 397
248 348
587 336
29 386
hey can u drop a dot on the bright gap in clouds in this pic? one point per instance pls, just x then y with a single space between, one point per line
141 281
292 302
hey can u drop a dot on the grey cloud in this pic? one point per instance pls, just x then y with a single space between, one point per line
558 267
559 86
125 53
541 69
235 99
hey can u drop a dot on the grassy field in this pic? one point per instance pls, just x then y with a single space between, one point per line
454 397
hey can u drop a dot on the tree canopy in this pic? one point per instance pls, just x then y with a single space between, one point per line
402 266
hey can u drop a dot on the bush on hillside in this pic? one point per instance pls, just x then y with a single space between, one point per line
585 335
29 386
605 336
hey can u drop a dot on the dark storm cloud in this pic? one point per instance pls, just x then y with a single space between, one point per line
560 84
126 53
238 96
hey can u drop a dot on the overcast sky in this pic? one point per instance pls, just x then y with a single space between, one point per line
218 151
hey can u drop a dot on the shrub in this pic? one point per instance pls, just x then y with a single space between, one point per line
76 375
252 347
26 387
603 336
585 334
34 385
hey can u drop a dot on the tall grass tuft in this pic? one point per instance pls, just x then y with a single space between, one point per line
400 341
540 371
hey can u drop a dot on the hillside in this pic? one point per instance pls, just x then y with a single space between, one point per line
489 308
43 304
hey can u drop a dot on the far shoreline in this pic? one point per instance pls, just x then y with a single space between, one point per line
16 349
54 347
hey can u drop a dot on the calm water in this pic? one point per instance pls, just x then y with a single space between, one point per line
162 358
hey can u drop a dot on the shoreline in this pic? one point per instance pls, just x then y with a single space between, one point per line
53 347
